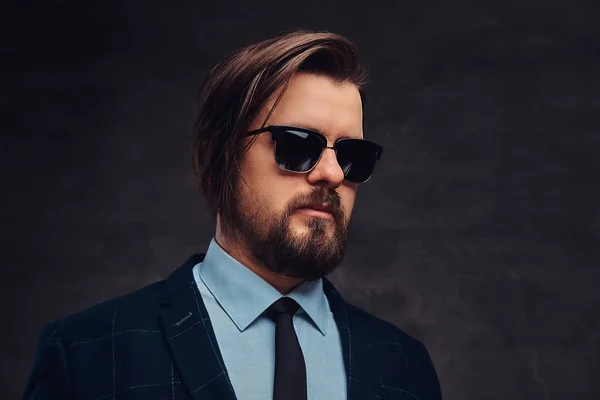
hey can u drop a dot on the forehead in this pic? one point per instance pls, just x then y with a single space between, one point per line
318 103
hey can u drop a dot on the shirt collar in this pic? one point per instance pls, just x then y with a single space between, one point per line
244 296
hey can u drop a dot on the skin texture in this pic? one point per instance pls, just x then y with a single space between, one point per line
274 239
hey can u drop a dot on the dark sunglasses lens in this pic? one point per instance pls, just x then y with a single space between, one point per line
357 159
297 151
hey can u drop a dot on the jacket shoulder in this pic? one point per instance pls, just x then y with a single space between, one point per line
376 328
404 360
135 311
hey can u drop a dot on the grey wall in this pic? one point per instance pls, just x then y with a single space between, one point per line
479 233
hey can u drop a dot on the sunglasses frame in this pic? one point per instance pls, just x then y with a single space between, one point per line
278 130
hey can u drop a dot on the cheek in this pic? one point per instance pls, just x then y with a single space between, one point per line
264 183
256 168
348 195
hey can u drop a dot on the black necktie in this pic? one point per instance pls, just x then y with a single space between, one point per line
290 371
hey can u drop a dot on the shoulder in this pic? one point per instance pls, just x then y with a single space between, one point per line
404 361
134 311
390 339
377 329
76 354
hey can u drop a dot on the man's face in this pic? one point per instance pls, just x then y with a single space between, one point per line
287 240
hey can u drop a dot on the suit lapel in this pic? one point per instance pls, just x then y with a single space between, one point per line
189 334
359 355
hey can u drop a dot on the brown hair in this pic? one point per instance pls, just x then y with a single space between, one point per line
240 85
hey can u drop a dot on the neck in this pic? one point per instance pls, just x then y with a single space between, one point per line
239 251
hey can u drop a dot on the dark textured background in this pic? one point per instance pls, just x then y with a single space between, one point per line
479 233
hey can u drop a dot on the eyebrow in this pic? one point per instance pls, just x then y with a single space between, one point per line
321 131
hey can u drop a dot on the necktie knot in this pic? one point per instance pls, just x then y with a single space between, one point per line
283 306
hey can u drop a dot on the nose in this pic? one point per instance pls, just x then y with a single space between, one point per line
327 172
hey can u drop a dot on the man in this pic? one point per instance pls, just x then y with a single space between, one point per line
279 153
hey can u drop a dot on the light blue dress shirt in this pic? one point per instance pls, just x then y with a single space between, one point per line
236 298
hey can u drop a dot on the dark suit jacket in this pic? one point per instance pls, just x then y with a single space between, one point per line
158 343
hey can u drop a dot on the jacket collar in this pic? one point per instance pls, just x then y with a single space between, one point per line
188 331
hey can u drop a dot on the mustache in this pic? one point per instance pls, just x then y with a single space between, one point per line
331 197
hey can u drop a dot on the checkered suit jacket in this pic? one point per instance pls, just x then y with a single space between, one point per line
158 343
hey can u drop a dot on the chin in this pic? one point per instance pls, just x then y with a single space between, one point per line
303 228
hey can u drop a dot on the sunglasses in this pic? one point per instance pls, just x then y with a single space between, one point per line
300 149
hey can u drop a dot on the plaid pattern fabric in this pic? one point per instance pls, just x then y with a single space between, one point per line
158 343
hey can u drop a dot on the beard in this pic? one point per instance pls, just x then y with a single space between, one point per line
272 241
